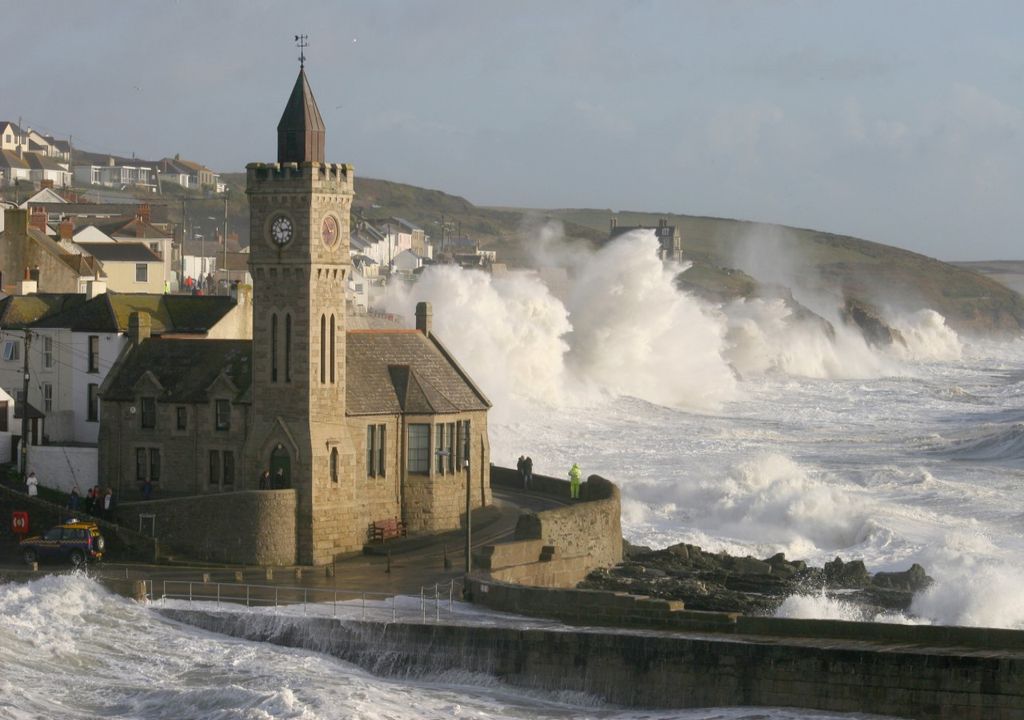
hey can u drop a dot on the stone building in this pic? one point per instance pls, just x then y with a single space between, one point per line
356 425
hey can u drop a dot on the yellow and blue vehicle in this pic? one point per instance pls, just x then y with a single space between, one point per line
74 541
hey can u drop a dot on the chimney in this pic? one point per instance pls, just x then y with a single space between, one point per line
614 223
33 274
37 219
43 184
67 229
139 328
424 316
95 288
143 212
30 285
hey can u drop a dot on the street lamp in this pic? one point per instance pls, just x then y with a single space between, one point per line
469 522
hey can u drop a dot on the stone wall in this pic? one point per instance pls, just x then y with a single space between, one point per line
572 540
255 527
644 670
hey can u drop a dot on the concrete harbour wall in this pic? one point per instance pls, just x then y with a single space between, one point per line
661 670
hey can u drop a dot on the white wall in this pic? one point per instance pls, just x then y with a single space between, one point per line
110 348
62 468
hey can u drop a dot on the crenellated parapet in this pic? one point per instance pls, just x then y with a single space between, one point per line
308 174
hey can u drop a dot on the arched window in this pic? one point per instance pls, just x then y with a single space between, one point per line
334 465
332 349
288 348
273 348
323 349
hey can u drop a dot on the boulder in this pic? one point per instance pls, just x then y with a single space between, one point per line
910 580
749 566
846 575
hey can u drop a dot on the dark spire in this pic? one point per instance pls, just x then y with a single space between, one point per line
300 134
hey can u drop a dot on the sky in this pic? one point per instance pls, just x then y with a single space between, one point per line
897 121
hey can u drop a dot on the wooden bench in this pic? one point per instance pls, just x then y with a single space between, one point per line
381 530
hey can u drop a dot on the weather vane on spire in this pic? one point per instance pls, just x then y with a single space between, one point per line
300 42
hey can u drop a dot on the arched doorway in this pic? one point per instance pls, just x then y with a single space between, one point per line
280 468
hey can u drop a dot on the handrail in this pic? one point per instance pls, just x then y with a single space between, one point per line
350 601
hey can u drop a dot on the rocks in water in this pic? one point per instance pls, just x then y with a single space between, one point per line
875 330
721 582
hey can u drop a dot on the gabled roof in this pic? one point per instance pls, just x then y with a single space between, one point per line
10 159
110 311
18 311
129 226
46 196
185 369
120 251
42 162
395 371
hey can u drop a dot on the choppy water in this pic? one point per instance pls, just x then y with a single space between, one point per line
730 427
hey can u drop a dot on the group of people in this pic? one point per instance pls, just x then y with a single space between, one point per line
276 481
525 468
98 502
201 285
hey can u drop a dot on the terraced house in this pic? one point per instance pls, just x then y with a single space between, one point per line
349 425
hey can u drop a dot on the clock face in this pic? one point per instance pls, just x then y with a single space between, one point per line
329 230
281 230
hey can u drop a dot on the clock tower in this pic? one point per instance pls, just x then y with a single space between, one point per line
299 262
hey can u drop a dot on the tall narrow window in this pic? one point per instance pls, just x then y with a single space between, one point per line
381 465
323 349
333 333
140 464
288 348
371 456
92 403
273 348
419 448
94 353
182 413
439 446
47 351
4 409
334 465
229 468
47 397
449 448
223 415
154 464
148 413
214 468
465 442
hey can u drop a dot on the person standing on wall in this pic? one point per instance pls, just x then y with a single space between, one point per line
527 472
574 481
32 484
521 467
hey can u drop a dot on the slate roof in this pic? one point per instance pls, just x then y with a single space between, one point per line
120 251
42 162
389 372
9 158
110 311
17 311
395 371
129 227
184 368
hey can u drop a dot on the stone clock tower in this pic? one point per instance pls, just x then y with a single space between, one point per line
299 262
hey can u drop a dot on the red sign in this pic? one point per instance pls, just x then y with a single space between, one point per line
19 522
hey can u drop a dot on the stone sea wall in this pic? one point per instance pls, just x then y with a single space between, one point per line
657 670
251 527
557 547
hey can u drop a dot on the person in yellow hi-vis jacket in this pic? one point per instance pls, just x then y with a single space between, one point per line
574 481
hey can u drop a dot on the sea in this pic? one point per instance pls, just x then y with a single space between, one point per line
738 426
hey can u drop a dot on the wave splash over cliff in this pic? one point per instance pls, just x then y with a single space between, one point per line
613 323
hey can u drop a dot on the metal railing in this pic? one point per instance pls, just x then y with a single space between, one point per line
432 603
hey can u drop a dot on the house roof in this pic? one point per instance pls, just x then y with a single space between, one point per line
120 251
185 369
130 227
42 162
33 411
110 312
10 159
394 371
18 311
389 372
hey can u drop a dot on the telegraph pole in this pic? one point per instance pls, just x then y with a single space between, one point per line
227 278
24 408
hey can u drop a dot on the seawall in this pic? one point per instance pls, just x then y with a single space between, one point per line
665 670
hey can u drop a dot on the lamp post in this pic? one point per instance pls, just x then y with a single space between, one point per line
227 280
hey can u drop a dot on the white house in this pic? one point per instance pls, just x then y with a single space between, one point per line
115 174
